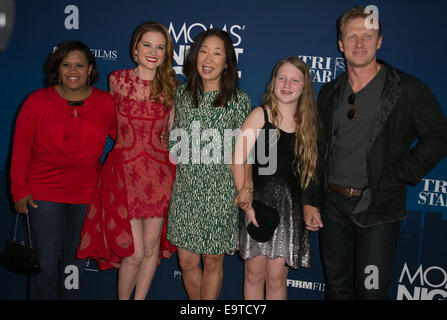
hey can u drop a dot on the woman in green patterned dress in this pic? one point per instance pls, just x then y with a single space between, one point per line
209 110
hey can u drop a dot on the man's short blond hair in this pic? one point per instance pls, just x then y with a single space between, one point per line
356 12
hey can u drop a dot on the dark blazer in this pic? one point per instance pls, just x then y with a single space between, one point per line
407 112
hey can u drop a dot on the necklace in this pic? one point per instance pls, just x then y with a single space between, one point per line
75 104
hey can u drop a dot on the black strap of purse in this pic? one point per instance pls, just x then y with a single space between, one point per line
29 231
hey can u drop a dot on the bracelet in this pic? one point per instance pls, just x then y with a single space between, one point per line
249 189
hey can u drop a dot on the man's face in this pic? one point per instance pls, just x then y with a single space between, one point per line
358 43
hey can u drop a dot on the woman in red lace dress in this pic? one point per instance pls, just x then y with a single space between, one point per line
125 224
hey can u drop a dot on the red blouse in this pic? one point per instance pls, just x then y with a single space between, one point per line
56 155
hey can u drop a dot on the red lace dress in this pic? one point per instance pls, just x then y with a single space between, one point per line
137 177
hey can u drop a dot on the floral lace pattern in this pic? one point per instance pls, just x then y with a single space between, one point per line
137 177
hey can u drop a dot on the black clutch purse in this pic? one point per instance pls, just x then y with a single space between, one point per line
268 220
18 257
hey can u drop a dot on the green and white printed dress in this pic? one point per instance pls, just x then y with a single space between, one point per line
202 217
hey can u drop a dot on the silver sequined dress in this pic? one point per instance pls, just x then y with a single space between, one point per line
280 190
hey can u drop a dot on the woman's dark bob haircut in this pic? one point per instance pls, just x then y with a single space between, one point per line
228 79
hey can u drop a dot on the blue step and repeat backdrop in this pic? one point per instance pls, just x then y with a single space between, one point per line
263 32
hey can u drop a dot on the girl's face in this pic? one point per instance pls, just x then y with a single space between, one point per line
211 62
289 84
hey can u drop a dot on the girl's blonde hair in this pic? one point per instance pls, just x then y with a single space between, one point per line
306 121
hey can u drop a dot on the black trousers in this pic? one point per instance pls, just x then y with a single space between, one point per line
356 261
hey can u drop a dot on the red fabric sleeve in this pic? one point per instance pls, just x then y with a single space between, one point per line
113 133
113 130
22 145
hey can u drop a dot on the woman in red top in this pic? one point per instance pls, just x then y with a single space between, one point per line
59 139
126 221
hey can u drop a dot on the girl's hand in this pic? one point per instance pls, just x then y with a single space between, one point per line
251 216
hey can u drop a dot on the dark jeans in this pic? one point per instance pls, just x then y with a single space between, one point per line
356 261
55 232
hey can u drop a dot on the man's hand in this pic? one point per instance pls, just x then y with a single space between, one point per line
312 218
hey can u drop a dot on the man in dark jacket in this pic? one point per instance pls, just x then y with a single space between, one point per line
371 115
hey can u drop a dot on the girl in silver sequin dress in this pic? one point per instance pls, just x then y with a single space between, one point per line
291 188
